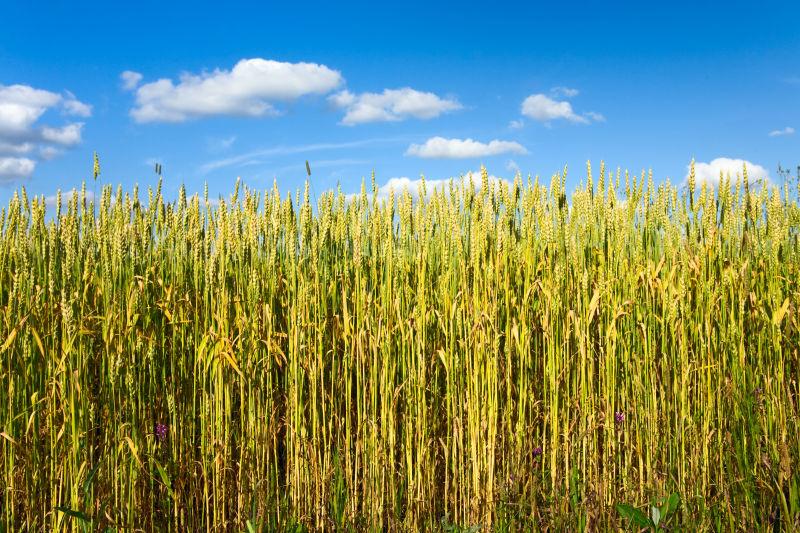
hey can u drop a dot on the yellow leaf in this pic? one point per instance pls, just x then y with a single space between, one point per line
232 361
593 304
777 318
133 451
12 335
38 340
201 349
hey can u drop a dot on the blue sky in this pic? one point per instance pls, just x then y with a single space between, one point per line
254 89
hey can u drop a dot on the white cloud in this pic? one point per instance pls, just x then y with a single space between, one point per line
299 169
544 109
788 130
441 148
709 172
391 105
413 185
73 106
241 159
564 92
227 143
130 80
249 89
516 124
15 148
597 117
512 166
69 135
216 145
49 152
16 167
398 185
66 197
21 108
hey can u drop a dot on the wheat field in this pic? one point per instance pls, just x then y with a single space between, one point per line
502 355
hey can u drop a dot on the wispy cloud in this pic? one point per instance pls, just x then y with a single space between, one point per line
441 148
287 150
564 92
391 105
788 130
250 88
597 117
516 124
153 161
300 168
220 144
130 79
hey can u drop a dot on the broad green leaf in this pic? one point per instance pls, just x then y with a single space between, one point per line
633 514
673 502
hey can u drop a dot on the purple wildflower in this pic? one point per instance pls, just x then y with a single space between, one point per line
161 432
619 417
537 452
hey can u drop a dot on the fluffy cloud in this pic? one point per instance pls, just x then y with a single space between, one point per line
441 148
18 148
249 89
73 106
66 197
69 135
21 108
709 172
15 167
788 130
398 185
545 108
391 105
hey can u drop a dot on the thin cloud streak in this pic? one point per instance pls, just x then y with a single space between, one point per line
288 150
